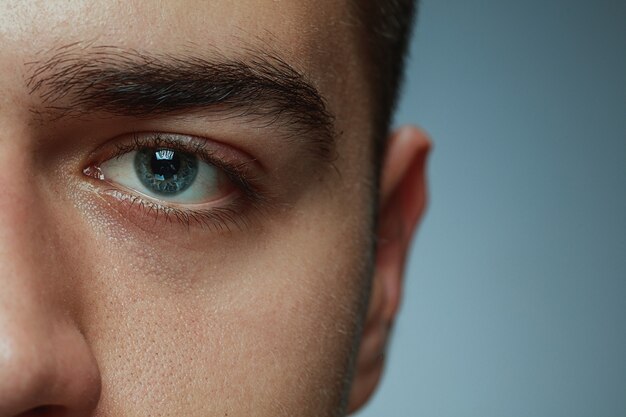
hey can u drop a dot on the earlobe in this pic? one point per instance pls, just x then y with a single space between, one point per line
402 202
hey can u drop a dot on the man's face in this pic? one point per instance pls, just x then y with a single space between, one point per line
239 295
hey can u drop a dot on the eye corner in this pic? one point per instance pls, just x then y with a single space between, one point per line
93 171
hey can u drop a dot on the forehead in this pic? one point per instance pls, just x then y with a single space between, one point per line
312 34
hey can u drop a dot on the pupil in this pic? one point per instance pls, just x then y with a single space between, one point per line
166 171
165 164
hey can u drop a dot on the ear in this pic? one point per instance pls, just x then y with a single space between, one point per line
402 202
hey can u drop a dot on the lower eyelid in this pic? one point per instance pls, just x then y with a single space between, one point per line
151 216
125 193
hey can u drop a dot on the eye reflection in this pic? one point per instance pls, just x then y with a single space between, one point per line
166 171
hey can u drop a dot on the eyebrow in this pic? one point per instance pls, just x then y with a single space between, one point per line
258 86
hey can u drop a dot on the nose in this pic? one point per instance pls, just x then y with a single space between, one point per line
46 365
45 369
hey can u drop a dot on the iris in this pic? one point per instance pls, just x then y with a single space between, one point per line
166 171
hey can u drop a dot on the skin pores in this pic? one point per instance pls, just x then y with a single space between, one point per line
112 308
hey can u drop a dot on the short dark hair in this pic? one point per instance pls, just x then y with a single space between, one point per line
387 26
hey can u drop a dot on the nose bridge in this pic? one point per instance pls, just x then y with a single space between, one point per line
22 232
46 365
26 295
23 235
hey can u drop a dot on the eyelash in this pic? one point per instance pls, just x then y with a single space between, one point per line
250 198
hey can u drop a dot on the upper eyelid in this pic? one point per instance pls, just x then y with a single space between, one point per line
237 165
212 151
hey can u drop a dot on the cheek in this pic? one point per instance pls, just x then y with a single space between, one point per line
261 325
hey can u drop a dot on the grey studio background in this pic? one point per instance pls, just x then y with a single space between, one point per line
515 300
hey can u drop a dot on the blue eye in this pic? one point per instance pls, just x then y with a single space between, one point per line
166 174
166 171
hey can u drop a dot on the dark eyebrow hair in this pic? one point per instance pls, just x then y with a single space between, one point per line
259 86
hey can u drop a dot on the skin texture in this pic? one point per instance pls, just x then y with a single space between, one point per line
110 309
